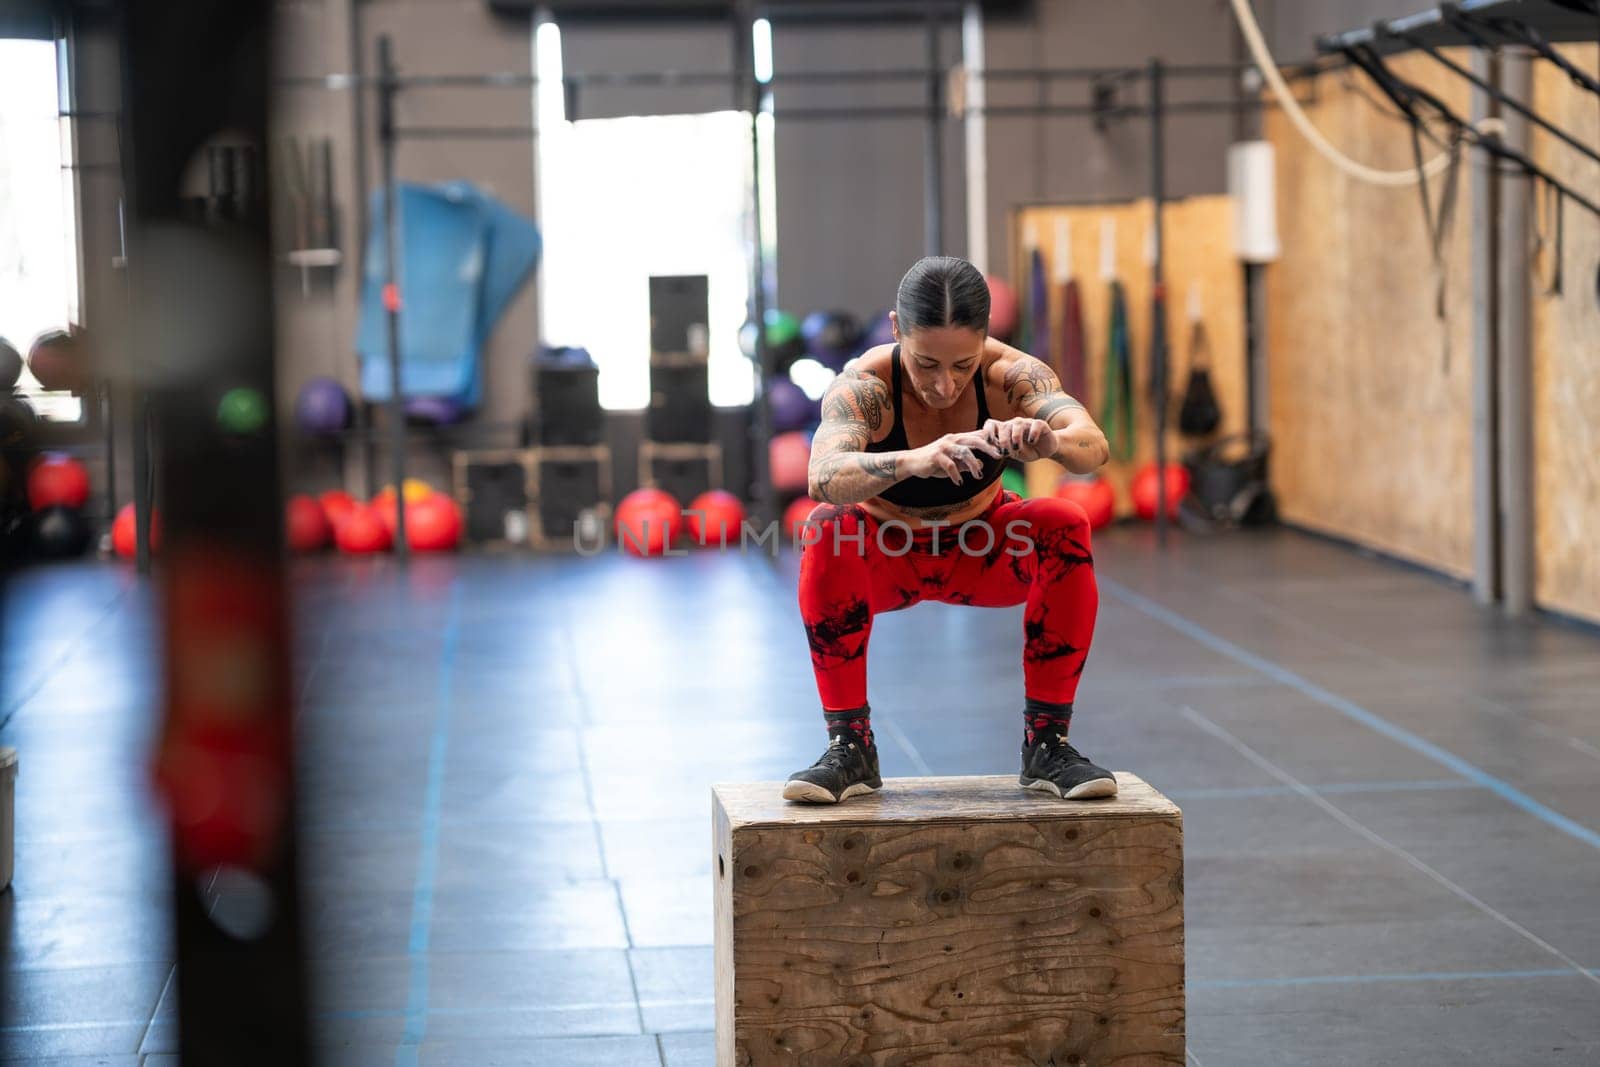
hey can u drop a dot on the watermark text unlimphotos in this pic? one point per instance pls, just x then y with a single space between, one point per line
653 536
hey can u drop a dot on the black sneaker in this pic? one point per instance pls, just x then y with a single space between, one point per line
845 770
1051 765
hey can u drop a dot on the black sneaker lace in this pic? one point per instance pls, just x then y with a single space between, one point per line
839 753
1060 754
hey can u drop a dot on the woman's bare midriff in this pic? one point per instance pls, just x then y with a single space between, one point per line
917 518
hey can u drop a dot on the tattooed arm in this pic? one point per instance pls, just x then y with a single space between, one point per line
1047 423
843 472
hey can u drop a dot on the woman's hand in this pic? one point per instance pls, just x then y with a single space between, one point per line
1022 439
951 456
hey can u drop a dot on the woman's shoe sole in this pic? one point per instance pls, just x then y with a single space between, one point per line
1098 787
812 793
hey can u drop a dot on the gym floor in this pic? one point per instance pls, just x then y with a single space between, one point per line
1390 797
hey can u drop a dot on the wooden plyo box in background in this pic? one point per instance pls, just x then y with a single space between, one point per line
948 921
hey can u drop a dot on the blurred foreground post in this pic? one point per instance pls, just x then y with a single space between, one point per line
196 91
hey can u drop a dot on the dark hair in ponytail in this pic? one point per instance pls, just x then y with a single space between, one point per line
942 291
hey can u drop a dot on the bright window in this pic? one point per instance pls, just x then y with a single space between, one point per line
626 198
38 242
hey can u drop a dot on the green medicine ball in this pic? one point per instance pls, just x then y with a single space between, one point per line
1014 480
242 410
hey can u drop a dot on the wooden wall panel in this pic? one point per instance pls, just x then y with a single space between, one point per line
1566 354
1198 233
1370 392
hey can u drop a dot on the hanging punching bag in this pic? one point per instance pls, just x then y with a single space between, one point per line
1200 414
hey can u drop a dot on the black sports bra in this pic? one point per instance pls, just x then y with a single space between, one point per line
933 492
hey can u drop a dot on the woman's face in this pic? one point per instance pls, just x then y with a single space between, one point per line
939 361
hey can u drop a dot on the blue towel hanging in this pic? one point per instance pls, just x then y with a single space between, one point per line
443 247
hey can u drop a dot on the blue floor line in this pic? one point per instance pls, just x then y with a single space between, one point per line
1501 788
428 861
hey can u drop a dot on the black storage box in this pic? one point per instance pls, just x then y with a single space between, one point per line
567 385
573 487
684 470
685 478
679 311
680 400
494 488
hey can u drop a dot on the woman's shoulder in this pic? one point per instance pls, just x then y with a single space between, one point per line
863 386
999 359
877 361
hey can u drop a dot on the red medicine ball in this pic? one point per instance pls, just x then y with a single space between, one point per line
362 532
1144 489
124 533
306 526
1094 495
719 525
648 521
798 511
433 524
336 504
57 481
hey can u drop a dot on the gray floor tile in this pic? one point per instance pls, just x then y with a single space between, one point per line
668 911
666 848
1523 1020
689 1050
80 1010
567 1052
1389 946
82 1061
507 917
84 929
1359 884
73 1040
675 987
531 994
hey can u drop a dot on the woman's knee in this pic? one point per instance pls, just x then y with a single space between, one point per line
1059 526
835 531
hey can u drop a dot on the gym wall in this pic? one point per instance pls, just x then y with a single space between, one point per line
316 332
1566 360
626 48
850 192
1198 238
1371 420
1065 159
1356 357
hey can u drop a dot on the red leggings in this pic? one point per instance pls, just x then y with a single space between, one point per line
1019 551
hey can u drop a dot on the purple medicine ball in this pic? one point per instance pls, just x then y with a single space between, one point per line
434 410
322 406
831 337
881 332
791 408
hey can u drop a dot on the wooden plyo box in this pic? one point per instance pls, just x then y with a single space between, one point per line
948 921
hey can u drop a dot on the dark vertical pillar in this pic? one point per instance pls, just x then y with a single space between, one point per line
933 148
1484 189
393 298
1514 356
196 73
1158 318
749 88
1252 349
362 417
